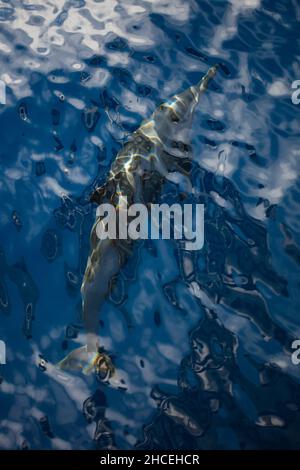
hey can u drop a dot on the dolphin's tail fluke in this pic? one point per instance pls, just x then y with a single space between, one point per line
81 360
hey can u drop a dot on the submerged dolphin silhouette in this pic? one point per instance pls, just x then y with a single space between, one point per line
158 147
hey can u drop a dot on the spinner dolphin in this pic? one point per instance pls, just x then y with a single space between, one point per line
157 148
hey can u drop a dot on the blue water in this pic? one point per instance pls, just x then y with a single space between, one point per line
201 340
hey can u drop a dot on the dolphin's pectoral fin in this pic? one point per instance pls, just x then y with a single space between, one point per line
74 360
107 190
98 194
81 360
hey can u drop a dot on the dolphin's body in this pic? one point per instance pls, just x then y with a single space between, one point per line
157 148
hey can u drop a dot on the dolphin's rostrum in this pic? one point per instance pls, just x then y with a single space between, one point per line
159 146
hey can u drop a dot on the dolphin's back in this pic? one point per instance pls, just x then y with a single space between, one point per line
152 151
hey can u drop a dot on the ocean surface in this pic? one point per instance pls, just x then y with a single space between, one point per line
201 340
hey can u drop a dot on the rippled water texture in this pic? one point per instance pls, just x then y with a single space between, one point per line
201 340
